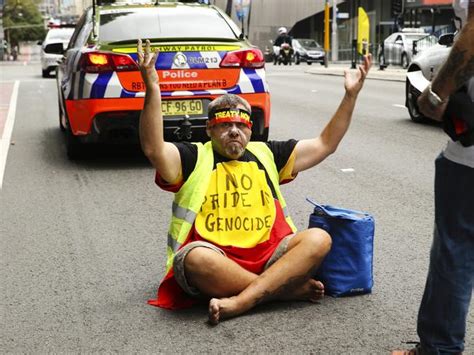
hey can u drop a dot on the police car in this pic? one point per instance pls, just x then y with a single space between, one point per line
203 54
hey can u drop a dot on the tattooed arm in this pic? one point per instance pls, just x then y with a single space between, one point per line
457 70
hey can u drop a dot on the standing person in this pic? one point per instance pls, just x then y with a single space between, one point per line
445 304
230 240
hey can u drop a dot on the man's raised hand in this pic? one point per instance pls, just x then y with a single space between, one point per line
146 64
354 80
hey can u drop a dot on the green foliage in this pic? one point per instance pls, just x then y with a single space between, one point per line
22 13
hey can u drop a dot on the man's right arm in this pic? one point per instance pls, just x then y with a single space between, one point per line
163 156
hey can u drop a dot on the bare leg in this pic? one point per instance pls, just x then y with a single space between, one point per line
287 278
214 274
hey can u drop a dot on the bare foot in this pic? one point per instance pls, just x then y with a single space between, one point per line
312 290
222 308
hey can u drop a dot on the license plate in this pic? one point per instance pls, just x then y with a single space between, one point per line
181 107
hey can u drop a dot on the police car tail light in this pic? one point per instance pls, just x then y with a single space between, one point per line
123 62
96 62
247 58
99 62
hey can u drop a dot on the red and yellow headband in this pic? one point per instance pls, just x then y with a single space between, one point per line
230 115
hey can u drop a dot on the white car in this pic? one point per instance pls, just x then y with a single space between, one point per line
398 47
422 70
54 38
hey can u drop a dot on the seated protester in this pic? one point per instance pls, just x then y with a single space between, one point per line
230 239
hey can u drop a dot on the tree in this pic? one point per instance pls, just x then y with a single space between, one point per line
22 21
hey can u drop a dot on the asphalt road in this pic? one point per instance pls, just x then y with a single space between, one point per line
83 243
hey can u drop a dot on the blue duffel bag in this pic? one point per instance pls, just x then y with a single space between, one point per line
347 269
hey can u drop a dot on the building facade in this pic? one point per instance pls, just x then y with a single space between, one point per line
305 19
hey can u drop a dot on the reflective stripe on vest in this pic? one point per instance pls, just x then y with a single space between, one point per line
190 197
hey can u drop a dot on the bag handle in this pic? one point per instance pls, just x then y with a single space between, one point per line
338 212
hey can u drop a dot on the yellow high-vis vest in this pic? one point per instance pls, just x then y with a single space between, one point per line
190 197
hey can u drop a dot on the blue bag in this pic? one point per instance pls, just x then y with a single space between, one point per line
347 269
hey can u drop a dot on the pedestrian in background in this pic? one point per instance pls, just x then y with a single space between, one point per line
450 97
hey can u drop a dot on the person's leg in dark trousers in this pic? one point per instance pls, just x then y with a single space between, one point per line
445 304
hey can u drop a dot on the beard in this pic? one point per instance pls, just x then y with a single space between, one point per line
234 150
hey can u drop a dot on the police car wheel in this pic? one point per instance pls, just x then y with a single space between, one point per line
309 63
45 73
297 59
74 148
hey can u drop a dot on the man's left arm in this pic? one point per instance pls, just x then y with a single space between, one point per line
310 152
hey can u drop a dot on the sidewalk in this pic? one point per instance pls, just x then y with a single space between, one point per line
390 73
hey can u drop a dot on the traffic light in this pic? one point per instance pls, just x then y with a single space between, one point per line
397 7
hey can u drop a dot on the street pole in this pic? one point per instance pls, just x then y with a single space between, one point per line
334 52
326 33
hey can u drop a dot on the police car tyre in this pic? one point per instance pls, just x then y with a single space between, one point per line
404 61
74 148
45 73
415 115
309 63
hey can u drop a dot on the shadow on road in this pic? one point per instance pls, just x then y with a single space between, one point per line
96 156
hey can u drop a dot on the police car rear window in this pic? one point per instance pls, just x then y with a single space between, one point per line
121 25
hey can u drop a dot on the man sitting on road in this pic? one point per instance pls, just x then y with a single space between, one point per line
230 239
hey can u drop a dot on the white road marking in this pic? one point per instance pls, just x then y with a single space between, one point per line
314 90
348 170
397 105
7 131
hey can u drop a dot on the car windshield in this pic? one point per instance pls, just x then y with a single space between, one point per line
411 38
309 43
62 34
167 22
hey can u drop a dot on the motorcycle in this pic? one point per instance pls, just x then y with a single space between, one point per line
286 54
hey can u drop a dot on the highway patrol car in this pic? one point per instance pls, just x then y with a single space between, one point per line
203 54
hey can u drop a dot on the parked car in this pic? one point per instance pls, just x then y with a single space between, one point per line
398 47
308 50
203 54
56 41
422 70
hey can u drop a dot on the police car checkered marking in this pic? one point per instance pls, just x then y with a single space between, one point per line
261 73
100 85
195 60
182 93
89 80
125 94
255 80
114 88
245 83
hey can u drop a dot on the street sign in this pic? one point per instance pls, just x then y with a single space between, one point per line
342 15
